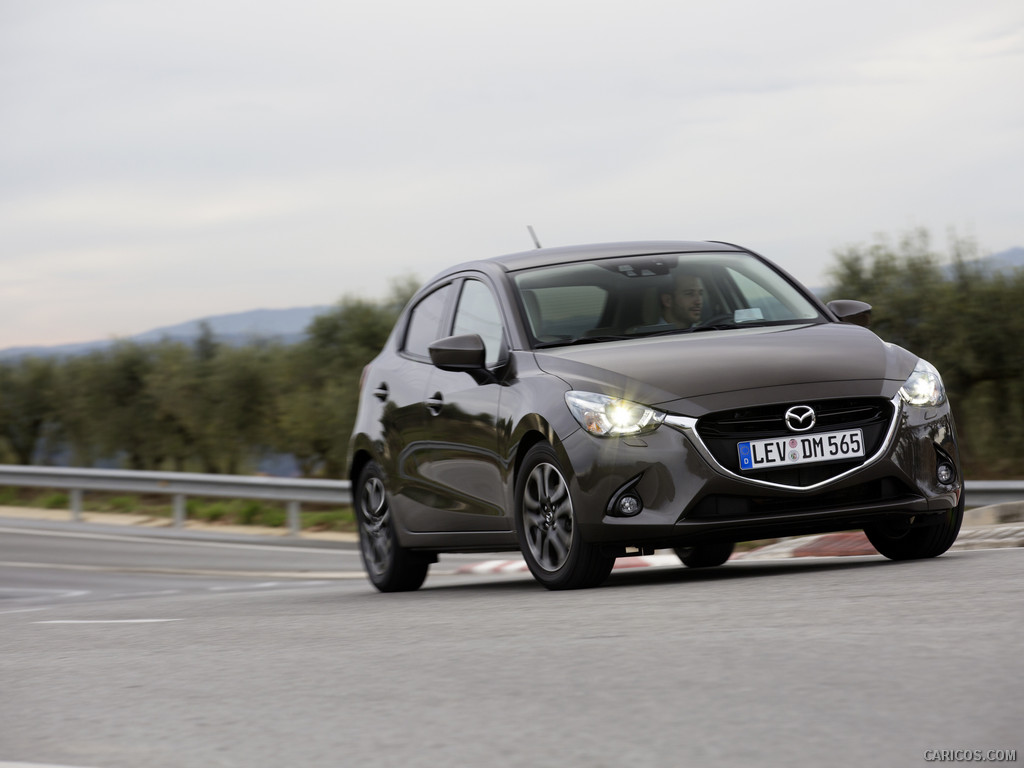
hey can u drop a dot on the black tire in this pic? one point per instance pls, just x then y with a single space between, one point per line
705 555
546 524
389 567
914 541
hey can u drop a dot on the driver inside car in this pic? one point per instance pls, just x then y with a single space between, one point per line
683 304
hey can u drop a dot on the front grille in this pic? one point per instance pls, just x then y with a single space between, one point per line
723 430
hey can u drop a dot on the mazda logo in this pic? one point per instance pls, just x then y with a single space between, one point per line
800 418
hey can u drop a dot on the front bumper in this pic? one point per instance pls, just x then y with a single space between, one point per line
687 497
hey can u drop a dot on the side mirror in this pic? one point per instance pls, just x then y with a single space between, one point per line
850 311
459 353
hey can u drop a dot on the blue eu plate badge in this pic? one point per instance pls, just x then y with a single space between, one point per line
746 460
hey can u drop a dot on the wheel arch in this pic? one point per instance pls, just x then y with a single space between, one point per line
530 431
361 456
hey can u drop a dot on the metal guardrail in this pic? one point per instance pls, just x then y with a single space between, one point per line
291 491
982 493
180 485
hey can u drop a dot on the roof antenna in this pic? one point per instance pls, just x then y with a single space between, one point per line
533 234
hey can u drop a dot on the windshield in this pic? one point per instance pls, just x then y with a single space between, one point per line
631 297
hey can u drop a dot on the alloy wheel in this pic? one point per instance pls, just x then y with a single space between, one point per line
375 520
548 517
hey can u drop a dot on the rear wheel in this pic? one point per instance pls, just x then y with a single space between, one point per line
705 555
546 524
912 541
390 567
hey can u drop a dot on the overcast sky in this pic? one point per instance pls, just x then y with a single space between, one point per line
164 161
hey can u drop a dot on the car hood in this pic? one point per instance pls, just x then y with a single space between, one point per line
691 374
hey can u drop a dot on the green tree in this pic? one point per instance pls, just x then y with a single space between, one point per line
78 403
239 394
318 382
214 402
26 405
129 423
176 383
961 318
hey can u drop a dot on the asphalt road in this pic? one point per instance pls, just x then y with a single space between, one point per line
126 651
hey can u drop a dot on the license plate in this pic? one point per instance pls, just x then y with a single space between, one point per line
805 449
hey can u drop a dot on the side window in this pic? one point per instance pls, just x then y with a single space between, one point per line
425 321
478 313
564 310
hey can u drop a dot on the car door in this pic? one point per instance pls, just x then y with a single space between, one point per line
400 382
461 466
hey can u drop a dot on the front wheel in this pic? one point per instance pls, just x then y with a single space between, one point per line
546 525
389 567
913 541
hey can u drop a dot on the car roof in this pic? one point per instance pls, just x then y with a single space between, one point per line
542 257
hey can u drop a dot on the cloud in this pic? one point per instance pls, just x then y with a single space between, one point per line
217 156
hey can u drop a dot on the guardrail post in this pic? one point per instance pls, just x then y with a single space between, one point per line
179 510
294 520
76 504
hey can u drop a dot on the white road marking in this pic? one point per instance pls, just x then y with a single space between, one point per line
105 621
239 587
185 571
34 594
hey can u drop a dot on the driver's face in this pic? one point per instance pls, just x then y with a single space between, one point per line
687 300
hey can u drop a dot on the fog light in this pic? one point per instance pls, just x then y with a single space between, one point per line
629 506
945 473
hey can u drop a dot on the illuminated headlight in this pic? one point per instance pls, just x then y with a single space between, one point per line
924 387
611 417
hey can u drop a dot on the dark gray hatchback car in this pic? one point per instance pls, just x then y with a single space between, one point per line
588 403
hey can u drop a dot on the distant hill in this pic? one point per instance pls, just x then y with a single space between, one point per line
1004 260
281 324
284 325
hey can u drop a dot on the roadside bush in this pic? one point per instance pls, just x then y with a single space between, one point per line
56 501
123 503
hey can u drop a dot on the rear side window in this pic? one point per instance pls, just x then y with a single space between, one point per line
425 322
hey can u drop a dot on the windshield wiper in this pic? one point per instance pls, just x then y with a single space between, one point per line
718 327
728 326
581 340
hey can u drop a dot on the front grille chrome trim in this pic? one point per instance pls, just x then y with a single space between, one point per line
688 426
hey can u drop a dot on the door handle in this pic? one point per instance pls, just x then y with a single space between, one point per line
381 392
435 403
